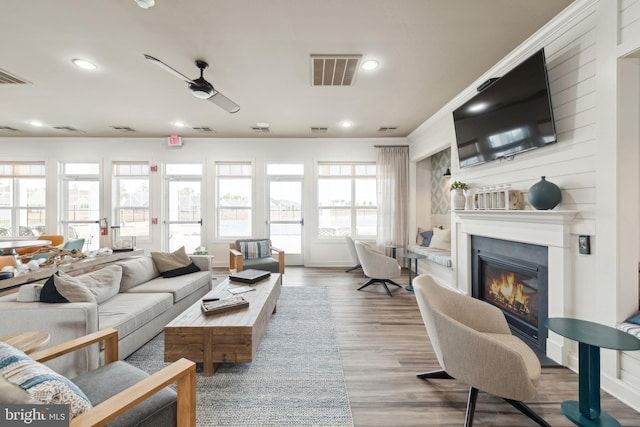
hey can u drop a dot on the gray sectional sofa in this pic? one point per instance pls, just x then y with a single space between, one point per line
139 307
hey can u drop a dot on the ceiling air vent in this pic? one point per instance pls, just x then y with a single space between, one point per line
334 70
260 129
8 78
124 129
203 129
9 128
319 129
67 128
384 129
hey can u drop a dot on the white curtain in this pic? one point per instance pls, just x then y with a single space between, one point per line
392 168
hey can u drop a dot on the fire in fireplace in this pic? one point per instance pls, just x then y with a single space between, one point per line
513 277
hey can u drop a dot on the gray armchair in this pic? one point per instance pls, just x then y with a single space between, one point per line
257 254
473 344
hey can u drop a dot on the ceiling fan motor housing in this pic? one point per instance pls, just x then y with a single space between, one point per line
200 88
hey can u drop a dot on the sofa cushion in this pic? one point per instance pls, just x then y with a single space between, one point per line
180 286
136 271
171 261
127 312
266 263
106 381
40 382
438 256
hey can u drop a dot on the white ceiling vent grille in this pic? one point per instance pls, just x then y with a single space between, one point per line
334 70
67 128
8 78
125 129
9 128
203 129
260 129
385 129
318 129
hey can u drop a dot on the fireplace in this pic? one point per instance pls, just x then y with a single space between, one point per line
513 276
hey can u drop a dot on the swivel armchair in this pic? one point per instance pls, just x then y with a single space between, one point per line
377 267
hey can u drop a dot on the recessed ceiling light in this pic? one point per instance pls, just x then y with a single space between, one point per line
84 64
179 124
346 124
370 64
262 125
145 4
36 123
479 106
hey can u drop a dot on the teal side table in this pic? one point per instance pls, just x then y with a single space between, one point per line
411 257
590 337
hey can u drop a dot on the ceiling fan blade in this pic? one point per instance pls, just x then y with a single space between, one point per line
165 67
223 102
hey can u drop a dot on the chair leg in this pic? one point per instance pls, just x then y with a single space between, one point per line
355 267
370 282
522 407
437 375
471 406
392 283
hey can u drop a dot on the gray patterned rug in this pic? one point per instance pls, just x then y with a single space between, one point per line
296 378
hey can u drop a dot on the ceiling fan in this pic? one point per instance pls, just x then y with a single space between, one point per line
199 87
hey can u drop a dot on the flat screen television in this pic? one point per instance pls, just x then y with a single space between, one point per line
510 115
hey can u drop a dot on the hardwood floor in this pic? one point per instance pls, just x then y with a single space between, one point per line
383 344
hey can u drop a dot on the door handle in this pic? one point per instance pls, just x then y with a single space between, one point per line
200 222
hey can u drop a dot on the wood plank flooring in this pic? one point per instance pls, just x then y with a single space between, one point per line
383 344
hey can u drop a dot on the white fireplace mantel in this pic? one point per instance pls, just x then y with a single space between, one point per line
545 228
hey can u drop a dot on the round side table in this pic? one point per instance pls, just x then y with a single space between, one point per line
411 257
28 342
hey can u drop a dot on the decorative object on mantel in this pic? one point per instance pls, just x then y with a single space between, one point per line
497 197
469 199
457 195
544 195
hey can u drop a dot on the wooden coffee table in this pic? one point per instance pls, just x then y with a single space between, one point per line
228 337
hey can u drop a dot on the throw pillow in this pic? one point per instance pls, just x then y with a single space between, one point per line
165 262
49 293
419 235
40 382
441 239
191 268
72 288
103 283
635 319
426 238
256 249
29 293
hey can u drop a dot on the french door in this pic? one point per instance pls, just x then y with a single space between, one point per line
183 207
285 217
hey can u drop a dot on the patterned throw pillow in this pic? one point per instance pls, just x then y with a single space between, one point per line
41 383
257 249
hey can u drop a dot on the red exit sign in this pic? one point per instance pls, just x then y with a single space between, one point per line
174 141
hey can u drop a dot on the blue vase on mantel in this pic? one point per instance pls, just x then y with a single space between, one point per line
544 195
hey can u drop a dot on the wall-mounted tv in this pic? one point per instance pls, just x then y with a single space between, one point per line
509 115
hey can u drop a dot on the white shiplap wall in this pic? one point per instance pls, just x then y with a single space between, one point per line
582 72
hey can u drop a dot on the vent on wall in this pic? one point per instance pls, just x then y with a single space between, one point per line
8 78
319 129
334 70
123 128
203 129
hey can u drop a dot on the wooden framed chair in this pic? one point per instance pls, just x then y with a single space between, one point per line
258 254
122 394
7 260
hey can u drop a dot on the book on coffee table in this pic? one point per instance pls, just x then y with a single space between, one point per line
222 305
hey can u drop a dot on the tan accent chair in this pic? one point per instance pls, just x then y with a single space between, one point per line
473 344
377 267
57 240
8 260
122 401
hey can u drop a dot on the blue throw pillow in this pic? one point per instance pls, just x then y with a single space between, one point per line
426 237
635 319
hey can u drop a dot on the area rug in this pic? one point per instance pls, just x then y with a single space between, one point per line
296 378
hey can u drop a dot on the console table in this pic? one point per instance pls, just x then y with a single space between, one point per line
591 337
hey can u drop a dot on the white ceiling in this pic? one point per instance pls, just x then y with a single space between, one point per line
259 56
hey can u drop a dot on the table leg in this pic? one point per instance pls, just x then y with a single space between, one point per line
587 412
410 286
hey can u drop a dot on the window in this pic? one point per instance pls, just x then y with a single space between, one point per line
131 198
234 202
22 199
347 200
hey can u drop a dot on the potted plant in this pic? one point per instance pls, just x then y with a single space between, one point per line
457 194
